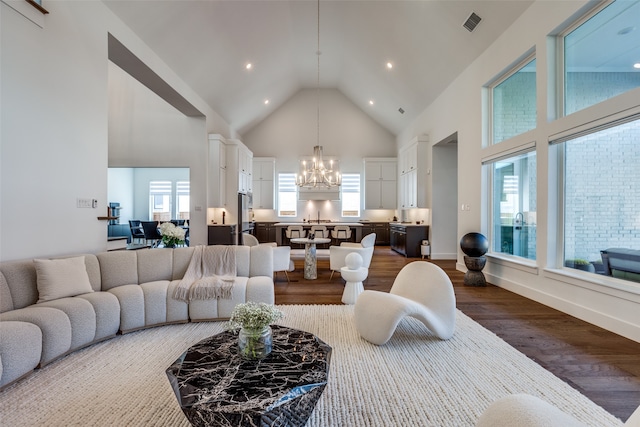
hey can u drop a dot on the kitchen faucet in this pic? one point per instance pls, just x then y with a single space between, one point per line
318 217
519 220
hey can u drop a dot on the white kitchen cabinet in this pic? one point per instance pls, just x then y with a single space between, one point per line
239 168
412 171
263 182
217 172
380 183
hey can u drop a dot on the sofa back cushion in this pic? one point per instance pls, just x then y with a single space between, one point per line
6 302
20 278
118 268
261 261
154 265
61 278
181 259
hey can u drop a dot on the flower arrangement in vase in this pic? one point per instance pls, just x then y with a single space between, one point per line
172 235
255 340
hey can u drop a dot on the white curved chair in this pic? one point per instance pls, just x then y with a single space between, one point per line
338 254
281 254
421 290
524 410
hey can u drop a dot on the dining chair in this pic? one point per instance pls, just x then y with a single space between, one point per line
151 234
137 233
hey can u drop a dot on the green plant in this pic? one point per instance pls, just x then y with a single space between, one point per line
252 315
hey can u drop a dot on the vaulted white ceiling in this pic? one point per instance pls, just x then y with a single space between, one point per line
208 44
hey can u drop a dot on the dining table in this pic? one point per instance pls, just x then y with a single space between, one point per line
310 258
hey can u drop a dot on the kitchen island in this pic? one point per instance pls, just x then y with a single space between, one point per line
356 229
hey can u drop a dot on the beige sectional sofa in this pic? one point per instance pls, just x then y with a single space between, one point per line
129 290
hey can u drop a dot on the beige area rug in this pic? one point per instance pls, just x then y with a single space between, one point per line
413 380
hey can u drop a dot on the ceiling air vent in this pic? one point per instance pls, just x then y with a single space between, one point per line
472 21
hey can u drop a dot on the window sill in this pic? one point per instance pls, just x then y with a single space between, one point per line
604 284
528 266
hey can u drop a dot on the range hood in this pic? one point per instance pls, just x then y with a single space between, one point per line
318 193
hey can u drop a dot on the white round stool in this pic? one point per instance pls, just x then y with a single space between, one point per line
354 273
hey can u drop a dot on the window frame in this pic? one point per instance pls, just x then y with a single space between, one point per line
345 183
488 172
292 177
509 72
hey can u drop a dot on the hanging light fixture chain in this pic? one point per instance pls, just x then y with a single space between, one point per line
318 82
315 173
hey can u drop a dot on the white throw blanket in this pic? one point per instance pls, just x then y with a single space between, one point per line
210 274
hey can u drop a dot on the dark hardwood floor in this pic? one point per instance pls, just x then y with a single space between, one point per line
600 364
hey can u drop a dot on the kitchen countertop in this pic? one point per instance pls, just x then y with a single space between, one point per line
328 224
408 224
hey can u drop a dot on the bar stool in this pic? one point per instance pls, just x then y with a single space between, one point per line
341 232
294 232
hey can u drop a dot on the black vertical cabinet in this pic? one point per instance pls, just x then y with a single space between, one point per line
406 239
265 232
380 228
222 234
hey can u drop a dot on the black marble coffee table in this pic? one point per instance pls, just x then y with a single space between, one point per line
216 387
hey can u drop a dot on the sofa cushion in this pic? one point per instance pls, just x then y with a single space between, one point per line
60 278
54 324
20 350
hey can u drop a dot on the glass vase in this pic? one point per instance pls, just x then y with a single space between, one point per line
255 344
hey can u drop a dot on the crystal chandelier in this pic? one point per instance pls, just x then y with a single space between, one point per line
316 173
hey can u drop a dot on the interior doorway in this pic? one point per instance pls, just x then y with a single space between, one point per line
444 212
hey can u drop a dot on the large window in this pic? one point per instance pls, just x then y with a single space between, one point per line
513 102
182 194
160 200
287 194
600 54
350 194
513 205
601 193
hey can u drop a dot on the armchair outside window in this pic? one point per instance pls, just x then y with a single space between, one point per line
337 254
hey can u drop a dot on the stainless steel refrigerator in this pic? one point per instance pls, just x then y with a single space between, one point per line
245 211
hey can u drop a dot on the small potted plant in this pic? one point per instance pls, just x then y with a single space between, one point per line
255 340
579 264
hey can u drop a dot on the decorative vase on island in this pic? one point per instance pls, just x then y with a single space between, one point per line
255 344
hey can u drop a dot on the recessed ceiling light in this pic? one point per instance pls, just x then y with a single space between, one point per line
636 65
266 102
389 65
371 102
248 66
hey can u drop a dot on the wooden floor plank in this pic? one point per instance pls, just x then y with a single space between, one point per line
600 364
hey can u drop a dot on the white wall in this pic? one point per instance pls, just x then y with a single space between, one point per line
54 137
444 213
614 305
290 133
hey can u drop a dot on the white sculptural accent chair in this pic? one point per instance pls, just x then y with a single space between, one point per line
421 290
524 410
337 254
281 254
